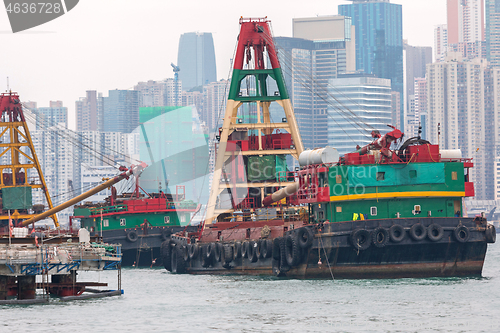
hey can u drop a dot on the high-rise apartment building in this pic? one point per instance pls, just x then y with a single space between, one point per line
466 28
492 127
469 50
323 30
89 112
492 32
440 42
29 109
195 98
420 98
360 104
465 21
462 100
196 59
50 116
415 58
91 176
160 93
56 157
214 104
321 48
379 40
496 178
95 149
121 111
395 108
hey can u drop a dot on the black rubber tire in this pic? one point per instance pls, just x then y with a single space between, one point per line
173 260
165 252
266 250
217 249
227 253
262 248
244 249
181 264
165 234
201 254
132 236
184 252
211 253
490 234
206 255
396 233
237 250
418 232
177 262
258 249
193 251
360 239
380 237
292 251
435 232
283 264
305 237
461 234
253 249
276 248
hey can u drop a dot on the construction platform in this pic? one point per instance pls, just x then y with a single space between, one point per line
51 264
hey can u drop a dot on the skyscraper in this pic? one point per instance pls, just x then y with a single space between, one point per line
465 21
89 112
493 32
440 42
214 102
462 99
416 58
160 93
196 59
56 155
420 97
321 48
121 111
379 40
466 28
361 103
51 116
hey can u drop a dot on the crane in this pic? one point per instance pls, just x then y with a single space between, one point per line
176 70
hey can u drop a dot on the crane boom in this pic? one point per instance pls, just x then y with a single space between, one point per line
133 170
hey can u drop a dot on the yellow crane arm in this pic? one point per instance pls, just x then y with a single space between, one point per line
135 169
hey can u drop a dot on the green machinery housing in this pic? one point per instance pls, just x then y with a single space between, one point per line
388 191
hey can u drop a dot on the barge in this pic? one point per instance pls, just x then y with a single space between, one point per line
391 209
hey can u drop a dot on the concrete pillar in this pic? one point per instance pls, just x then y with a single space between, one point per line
11 286
26 287
64 285
3 287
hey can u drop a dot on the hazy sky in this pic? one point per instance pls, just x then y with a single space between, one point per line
113 44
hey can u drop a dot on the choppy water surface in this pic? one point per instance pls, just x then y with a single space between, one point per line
157 301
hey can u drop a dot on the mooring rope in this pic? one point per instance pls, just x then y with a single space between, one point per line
327 261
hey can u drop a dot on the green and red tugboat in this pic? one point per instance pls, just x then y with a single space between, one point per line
140 222
374 213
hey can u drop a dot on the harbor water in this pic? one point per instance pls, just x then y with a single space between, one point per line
156 301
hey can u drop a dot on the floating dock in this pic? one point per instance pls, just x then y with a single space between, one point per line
56 261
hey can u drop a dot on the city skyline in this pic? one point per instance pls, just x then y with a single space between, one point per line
72 56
